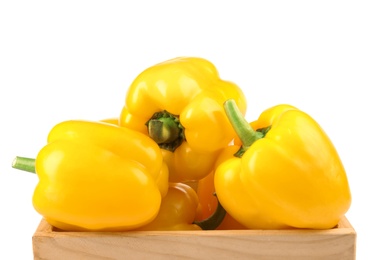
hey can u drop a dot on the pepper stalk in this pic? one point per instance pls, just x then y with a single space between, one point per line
165 129
242 128
24 164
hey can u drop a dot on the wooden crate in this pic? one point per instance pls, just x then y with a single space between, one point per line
338 243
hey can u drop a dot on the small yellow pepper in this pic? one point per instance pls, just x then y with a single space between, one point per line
98 176
287 174
178 211
179 103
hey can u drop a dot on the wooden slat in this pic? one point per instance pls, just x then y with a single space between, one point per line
338 243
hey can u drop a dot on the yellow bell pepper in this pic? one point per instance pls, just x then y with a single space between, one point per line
179 209
98 176
287 173
179 103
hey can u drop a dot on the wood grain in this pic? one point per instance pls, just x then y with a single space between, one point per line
338 243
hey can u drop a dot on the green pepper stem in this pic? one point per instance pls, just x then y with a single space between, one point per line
242 128
24 164
165 129
214 220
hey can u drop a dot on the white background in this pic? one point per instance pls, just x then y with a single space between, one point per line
64 60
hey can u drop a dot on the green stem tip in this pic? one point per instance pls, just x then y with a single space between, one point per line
24 164
242 128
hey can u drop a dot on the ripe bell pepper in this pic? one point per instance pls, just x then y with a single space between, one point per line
287 173
98 176
179 103
178 211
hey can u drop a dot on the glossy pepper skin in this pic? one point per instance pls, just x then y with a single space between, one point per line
98 176
289 176
190 91
177 211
